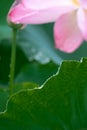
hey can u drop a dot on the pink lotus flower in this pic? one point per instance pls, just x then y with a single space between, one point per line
70 17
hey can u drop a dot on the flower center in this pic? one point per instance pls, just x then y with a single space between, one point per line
75 2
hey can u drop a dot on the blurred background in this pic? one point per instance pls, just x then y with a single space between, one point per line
36 57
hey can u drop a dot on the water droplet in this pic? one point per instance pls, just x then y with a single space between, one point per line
42 58
9 75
